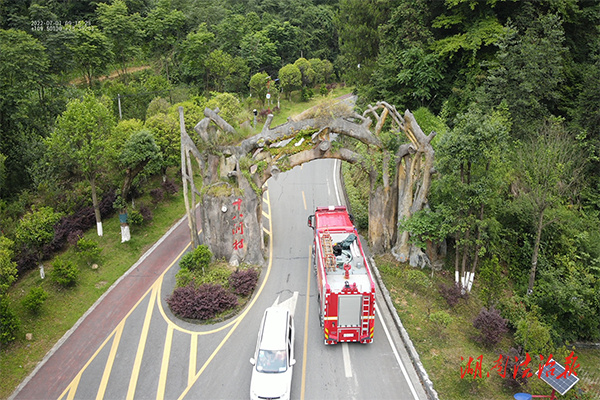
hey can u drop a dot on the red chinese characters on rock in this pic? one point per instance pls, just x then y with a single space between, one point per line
238 227
500 366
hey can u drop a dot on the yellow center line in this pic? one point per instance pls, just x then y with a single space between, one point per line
305 348
110 361
304 199
193 356
142 344
162 379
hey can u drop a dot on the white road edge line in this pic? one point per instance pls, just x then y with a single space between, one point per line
347 365
336 189
404 372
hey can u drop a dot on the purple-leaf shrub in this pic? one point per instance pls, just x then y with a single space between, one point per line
491 325
202 303
451 293
243 282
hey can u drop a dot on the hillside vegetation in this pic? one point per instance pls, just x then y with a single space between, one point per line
89 129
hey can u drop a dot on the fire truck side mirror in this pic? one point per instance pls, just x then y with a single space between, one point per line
351 218
311 221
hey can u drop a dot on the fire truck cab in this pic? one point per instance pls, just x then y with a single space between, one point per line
346 287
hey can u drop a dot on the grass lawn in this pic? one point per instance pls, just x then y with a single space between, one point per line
445 350
296 106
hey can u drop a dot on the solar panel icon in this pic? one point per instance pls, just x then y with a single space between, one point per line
554 375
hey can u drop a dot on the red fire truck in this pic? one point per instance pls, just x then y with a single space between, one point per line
346 288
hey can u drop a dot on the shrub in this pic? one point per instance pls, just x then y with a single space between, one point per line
218 276
323 90
36 228
187 262
74 237
34 300
440 320
181 302
88 250
507 362
184 277
203 255
491 326
243 282
513 309
533 335
146 213
64 272
157 195
170 187
135 218
212 300
9 322
417 279
199 258
8 268
451 293
26 260
202 303
306 94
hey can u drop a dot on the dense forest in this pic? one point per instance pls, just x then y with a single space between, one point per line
512 89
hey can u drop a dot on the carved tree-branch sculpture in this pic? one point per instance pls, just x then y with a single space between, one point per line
398 197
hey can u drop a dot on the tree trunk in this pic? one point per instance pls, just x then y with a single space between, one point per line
536 249
96 206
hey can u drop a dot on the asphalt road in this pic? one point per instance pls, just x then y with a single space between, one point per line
135 349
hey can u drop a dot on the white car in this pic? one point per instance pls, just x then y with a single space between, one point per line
273 359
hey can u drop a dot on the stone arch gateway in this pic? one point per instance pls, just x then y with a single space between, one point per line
231 176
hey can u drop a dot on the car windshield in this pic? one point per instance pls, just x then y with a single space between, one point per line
271 361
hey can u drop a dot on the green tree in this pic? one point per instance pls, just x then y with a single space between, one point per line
139 151
410 77
122 29
318 66
219 65
8 268
36 228
258 86
528 73
260 53
286 38
472 162
308 73
23 75
229 106
164 26
290 79
166 131
2 171
194 51
357 24
548 170
9 322
91 49
83 136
